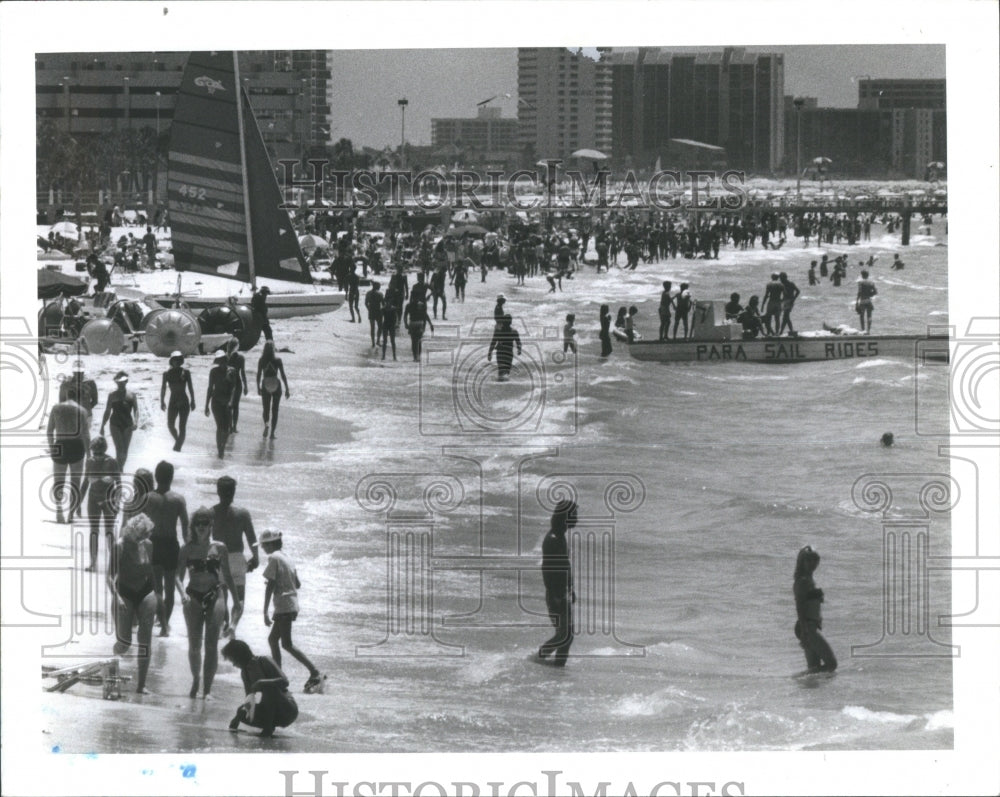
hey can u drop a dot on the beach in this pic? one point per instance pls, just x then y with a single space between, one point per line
723 473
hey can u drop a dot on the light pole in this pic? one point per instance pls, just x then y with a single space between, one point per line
402 103
798 102
157 116
126 82
65 85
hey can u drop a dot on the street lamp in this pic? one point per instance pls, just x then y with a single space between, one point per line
402 103
157 115
65 85
798 102
128 102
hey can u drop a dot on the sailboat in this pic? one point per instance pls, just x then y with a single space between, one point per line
224 200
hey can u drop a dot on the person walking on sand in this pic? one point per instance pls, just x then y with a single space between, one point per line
373 305
165 508
206 564
283 586
557 576
102 483
819 655
178 379
122 414
130 579
269 368
415 320
232 524
238 363
68 435
268 704
219 400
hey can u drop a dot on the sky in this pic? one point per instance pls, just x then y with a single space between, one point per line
450 82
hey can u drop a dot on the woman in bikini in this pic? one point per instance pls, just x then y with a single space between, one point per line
206 564
130 579
178 379
269 368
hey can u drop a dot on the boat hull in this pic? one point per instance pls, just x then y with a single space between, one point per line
794 350
279 305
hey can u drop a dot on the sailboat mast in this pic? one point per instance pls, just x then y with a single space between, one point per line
243 166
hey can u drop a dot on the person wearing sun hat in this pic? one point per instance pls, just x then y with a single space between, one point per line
122 413
86 389
178 379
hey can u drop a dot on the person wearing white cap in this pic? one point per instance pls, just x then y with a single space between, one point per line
122 412
178 379
86 389
219 400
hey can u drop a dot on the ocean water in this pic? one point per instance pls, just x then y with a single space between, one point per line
416 513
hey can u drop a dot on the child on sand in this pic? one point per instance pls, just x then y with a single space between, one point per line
283 584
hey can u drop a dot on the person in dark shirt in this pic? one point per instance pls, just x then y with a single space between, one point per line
733 307
557 575
268 703
149 241
819 655
505 337
258 305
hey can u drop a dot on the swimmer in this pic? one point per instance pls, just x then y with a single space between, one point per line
68 435
232 524
165 508
557 575
102 486
887 440
219 400
269 368
122 413
863 304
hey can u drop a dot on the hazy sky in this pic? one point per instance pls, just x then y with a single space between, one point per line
368 83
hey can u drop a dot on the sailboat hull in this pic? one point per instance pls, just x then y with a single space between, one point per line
279 305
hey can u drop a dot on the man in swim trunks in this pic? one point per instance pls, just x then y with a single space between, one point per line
772 304
230 525
863 304
68 435
666 302
373 304
165 508
790 292
178 379
258 306
86 389
122 413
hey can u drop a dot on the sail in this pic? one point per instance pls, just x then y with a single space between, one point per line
205 191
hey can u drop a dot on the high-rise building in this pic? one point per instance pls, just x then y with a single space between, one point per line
728 98
92 95
485 138
902 93
564 101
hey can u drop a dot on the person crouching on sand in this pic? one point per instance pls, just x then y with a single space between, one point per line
268 703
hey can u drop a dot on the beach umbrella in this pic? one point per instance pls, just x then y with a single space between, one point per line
590 154
310 242
65 228
935 165
54 283
465 216
468 229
